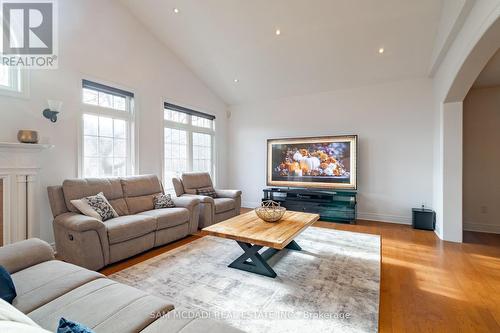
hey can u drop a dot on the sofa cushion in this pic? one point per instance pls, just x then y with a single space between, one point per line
123 228
120 206
139 192
223 205
137 186
168 217
40 284
141 204
104 306
193 180
80 188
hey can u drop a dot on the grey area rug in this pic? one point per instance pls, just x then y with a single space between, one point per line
332 285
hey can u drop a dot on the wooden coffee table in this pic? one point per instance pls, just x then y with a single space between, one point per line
252 234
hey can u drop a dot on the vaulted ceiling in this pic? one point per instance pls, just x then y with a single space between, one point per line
323 45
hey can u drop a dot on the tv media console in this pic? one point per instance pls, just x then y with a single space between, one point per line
333 206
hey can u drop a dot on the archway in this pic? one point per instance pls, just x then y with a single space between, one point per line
478 42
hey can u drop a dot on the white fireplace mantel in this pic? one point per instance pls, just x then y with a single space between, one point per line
4 146
19 168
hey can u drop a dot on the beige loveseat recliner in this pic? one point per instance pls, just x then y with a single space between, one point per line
48 289
226 205
88 242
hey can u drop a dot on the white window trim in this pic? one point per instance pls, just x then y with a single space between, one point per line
132 130
24 77
189 128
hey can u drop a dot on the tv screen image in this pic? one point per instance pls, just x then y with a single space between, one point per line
316 162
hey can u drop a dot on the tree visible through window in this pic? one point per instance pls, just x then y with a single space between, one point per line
188 142
107 148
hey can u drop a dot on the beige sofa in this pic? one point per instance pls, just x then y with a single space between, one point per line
49 289
226 205
90 243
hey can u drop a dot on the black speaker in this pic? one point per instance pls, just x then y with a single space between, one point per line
423 219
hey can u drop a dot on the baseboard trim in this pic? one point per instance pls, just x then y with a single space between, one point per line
398 219
361 216
478 227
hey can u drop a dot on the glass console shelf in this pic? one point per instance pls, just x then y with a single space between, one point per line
332 206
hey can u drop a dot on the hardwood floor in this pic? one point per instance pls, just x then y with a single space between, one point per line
427 285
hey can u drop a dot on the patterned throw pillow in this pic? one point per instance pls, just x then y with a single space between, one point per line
100 204
163 201
208 191
69 326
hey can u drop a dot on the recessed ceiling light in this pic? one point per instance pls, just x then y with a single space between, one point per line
236 80
381 50
176 10
278 32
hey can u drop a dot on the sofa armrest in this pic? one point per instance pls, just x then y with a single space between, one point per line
192 204
186 202
78 222
24 254
81 240
228 193
202 198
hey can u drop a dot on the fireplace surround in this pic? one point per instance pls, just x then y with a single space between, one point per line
19 170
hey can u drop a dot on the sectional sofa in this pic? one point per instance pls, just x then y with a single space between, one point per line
90 243
48 289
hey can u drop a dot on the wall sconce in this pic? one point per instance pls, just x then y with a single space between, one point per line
53 110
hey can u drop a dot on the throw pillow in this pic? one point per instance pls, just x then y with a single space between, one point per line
208 191
7 288
84 208
163 201
96 206
13 320
68 326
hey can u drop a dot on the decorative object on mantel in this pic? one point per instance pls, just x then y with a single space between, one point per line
27 136
270 211
53 110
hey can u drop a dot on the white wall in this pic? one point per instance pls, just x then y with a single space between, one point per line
101 40
477 41
451 228
395 127
481 181
453 15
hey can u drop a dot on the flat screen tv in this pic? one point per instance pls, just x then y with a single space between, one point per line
327 162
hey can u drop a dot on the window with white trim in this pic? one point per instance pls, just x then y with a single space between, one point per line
11 80
107 131
189 138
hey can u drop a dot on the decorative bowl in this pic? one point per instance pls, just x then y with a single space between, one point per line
270 211
27 136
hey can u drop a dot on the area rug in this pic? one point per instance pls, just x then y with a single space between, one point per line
332 285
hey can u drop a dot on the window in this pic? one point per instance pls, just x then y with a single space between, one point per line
188 142
107 142
13 81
